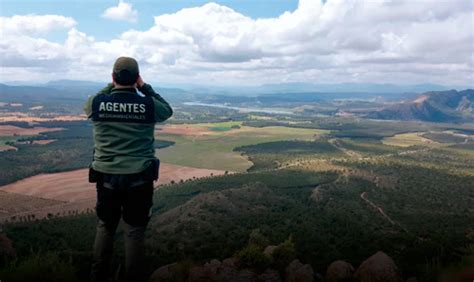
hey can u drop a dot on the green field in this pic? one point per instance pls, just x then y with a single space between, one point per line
4 140
216 149
222 126
409 139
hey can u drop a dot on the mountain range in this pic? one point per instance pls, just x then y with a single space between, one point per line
72 91
435 106
406 103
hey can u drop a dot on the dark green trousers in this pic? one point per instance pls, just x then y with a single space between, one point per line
133 205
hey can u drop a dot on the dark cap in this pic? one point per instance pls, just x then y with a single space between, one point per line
126 63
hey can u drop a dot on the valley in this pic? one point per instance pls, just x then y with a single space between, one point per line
341 186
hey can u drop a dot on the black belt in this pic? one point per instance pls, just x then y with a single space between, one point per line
123 181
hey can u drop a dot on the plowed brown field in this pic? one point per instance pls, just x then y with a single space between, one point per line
183 130
10 130
66 192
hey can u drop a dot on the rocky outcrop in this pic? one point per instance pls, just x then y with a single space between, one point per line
297 272
270 275
378 268
231 262
164 273
216 271
339 271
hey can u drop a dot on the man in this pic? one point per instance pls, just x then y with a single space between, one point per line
124 164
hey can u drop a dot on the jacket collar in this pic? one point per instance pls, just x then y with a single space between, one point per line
128 89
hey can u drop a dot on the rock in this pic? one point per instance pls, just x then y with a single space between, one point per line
164 273
297 272
227 273
231 262
378 268
269 275
213 265
244 275
458 275
201 274
216 271
292 268
269 250
339 271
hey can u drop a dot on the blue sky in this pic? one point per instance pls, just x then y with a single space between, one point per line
88 13
241 42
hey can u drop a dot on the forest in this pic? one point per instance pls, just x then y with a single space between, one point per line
321 182
323 211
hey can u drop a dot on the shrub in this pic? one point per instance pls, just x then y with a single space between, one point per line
284 254
252 256
39 267
258 239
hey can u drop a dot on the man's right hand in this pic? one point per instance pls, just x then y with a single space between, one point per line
140 82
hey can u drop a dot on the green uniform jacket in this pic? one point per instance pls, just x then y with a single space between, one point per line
124 126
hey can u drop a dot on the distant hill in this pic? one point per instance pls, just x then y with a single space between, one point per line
438 106
35 94
72 91
278 88
379 88
66 83
283 99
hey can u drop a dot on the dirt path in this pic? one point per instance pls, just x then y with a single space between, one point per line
364 197
346 151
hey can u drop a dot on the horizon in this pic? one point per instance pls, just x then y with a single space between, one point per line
301 87
239 43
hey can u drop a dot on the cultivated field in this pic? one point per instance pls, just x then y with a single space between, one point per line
67 192
10 133
27 117
10 130
409 139
211 145
200 150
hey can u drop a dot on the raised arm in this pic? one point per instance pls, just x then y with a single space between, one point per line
163 110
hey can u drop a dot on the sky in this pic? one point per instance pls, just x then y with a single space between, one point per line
240 42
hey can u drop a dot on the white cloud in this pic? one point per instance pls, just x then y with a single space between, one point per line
337 41
34 24
122 12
